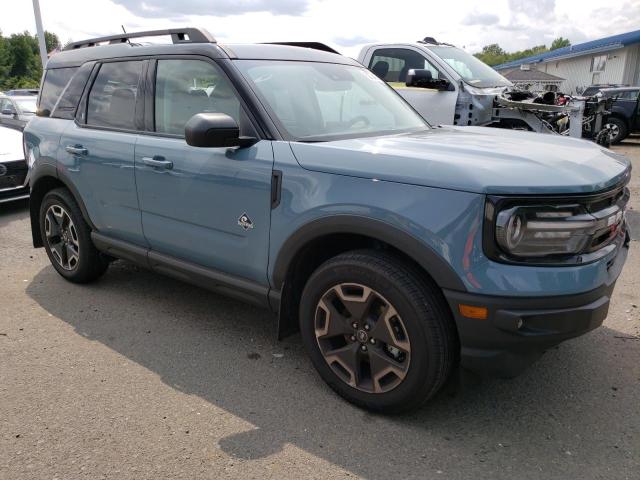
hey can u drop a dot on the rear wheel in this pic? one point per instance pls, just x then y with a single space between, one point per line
67 238
379 334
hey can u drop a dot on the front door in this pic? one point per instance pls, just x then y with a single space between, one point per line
393 64
208 206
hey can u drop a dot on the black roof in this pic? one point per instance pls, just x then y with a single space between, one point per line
78 56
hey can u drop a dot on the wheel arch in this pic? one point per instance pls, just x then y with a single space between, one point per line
46 179
321 239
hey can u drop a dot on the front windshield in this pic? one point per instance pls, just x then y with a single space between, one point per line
473 71
26 105
326 101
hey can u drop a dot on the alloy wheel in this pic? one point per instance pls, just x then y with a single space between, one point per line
613 129
362 338
62 237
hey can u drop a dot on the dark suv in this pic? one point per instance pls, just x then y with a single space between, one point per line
624 118
296 179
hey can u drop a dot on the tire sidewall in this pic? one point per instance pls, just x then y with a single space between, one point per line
622 129
57 197
422 368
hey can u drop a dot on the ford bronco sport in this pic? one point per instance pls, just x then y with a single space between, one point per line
296 179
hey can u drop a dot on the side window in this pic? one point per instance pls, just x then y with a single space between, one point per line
393 64
5 104
630 95
112 99
54 82
186 87
68 102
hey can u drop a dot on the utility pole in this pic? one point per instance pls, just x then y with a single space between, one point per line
40 30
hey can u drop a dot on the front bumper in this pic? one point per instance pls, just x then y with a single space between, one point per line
14 181
518 330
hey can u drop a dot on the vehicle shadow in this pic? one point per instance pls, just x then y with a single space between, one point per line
576 410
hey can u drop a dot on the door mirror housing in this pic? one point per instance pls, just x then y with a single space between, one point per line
215 130
9 111
422 78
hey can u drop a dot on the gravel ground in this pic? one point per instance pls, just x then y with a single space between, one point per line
140 376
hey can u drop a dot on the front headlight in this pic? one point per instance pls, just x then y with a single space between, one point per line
553 230
538 231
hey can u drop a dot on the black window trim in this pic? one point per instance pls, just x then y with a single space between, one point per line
84 103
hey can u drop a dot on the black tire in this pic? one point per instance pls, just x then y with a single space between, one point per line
621 130
90 263
424 314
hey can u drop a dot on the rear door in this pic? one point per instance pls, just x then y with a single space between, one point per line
206 206
96 152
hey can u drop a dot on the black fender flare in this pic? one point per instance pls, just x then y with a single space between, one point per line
38 175
441 272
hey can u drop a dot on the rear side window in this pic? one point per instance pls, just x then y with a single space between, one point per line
54 82
112 99
68 102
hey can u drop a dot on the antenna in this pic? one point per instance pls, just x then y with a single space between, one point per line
125 32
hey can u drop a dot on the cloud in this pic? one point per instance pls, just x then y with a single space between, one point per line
216 8
480 19
353 41
535 10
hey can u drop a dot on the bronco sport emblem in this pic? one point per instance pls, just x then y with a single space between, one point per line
245 222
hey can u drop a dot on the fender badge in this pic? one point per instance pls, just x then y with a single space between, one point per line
245 222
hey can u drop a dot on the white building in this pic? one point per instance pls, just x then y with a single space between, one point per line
610 60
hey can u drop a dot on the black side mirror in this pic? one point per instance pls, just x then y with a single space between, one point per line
422 78
215 130
9 111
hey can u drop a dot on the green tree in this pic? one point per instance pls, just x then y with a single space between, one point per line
20 64
559 43
52 41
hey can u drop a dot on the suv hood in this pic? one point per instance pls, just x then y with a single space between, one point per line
472 159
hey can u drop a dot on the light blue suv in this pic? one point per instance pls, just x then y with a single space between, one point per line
294 178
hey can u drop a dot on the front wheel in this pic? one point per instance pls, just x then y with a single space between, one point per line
377 332
67 238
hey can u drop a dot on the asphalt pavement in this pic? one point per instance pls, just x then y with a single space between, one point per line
138 376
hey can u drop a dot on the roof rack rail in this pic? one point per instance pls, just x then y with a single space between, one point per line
314 45
178 35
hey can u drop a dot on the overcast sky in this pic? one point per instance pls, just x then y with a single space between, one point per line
344 24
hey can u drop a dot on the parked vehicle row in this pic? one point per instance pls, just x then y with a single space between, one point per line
298 180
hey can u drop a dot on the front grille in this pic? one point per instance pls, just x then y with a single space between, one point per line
13 173
609 210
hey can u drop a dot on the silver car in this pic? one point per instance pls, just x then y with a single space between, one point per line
17 110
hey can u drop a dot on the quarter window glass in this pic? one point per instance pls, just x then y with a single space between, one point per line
54 82
187 87
66 106
112 100
393 64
